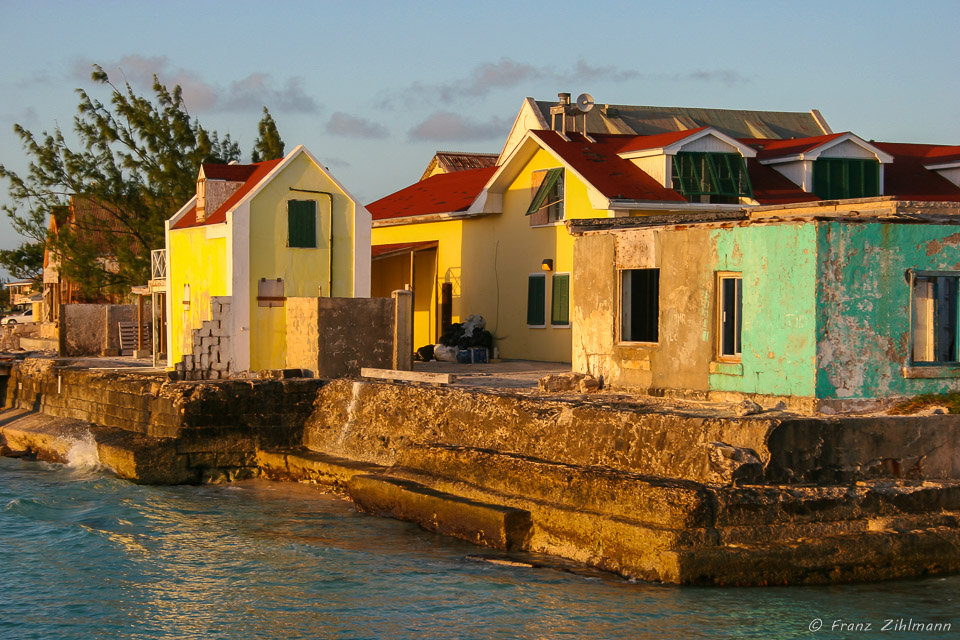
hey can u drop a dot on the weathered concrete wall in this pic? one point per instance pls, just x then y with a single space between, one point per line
88 329
778 267
863 306
335 337
212 430
373 422
778 263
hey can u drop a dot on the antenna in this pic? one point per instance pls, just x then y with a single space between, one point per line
584 102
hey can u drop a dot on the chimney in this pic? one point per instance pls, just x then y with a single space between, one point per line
201 197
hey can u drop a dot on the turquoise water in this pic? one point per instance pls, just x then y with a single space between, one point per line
84 555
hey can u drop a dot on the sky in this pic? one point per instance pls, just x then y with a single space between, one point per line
374 89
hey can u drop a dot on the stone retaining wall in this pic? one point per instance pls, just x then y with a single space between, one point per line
214 429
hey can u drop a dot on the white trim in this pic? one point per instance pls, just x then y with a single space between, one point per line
529 106
238 282
430 217
744 149
214 231
169 304
882 156
175 218
943 165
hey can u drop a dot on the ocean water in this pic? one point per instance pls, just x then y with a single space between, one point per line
85 555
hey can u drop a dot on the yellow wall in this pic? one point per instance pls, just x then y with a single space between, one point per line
489 258
304 271
202 263
432 269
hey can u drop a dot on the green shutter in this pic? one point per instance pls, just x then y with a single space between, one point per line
536 298
840 178
549 181
720 175
302 223
560 300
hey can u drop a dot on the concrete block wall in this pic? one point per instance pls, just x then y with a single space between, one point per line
212 354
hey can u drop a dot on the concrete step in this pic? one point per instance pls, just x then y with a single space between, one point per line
860 557
303 465
485 524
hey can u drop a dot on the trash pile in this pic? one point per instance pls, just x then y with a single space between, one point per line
461 342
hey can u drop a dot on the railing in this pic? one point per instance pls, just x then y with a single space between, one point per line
158 264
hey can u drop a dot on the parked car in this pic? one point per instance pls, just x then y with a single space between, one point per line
19 318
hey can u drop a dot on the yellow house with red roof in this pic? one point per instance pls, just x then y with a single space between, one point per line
494 241
252 236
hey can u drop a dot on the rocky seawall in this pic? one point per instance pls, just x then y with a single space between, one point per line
687 496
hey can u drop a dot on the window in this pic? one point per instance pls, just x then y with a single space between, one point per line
719 178
639 305
560 300
934 322
730 320
546 188
838 178
536 300
302 223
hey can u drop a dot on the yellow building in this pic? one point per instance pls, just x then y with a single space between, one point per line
493 240
252 236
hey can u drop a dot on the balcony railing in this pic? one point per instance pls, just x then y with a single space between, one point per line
158 264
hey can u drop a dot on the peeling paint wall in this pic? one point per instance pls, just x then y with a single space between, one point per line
863 305
779 267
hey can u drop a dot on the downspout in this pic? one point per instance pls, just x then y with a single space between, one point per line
329 238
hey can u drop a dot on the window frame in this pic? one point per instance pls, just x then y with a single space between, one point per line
543 311
620 309
290 224
719 321
553 280
547 213
913 275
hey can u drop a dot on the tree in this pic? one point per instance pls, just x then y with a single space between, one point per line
25 262
138 159
268 145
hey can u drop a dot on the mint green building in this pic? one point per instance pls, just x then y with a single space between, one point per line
829 306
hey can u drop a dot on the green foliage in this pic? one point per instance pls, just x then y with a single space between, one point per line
268 146
25 262
138 160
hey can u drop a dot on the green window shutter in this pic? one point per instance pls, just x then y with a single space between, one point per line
839 178
540 198
302 223
720 175
536 298
560 300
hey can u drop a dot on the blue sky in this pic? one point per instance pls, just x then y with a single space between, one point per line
375 88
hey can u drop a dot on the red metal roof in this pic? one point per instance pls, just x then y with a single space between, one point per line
772 187
639 143
255 173
907 179
600 165
442 193
767 148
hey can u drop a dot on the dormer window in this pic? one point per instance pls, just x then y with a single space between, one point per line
547 193
841 178
718 178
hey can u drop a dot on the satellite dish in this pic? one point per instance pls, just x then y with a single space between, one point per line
585 102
